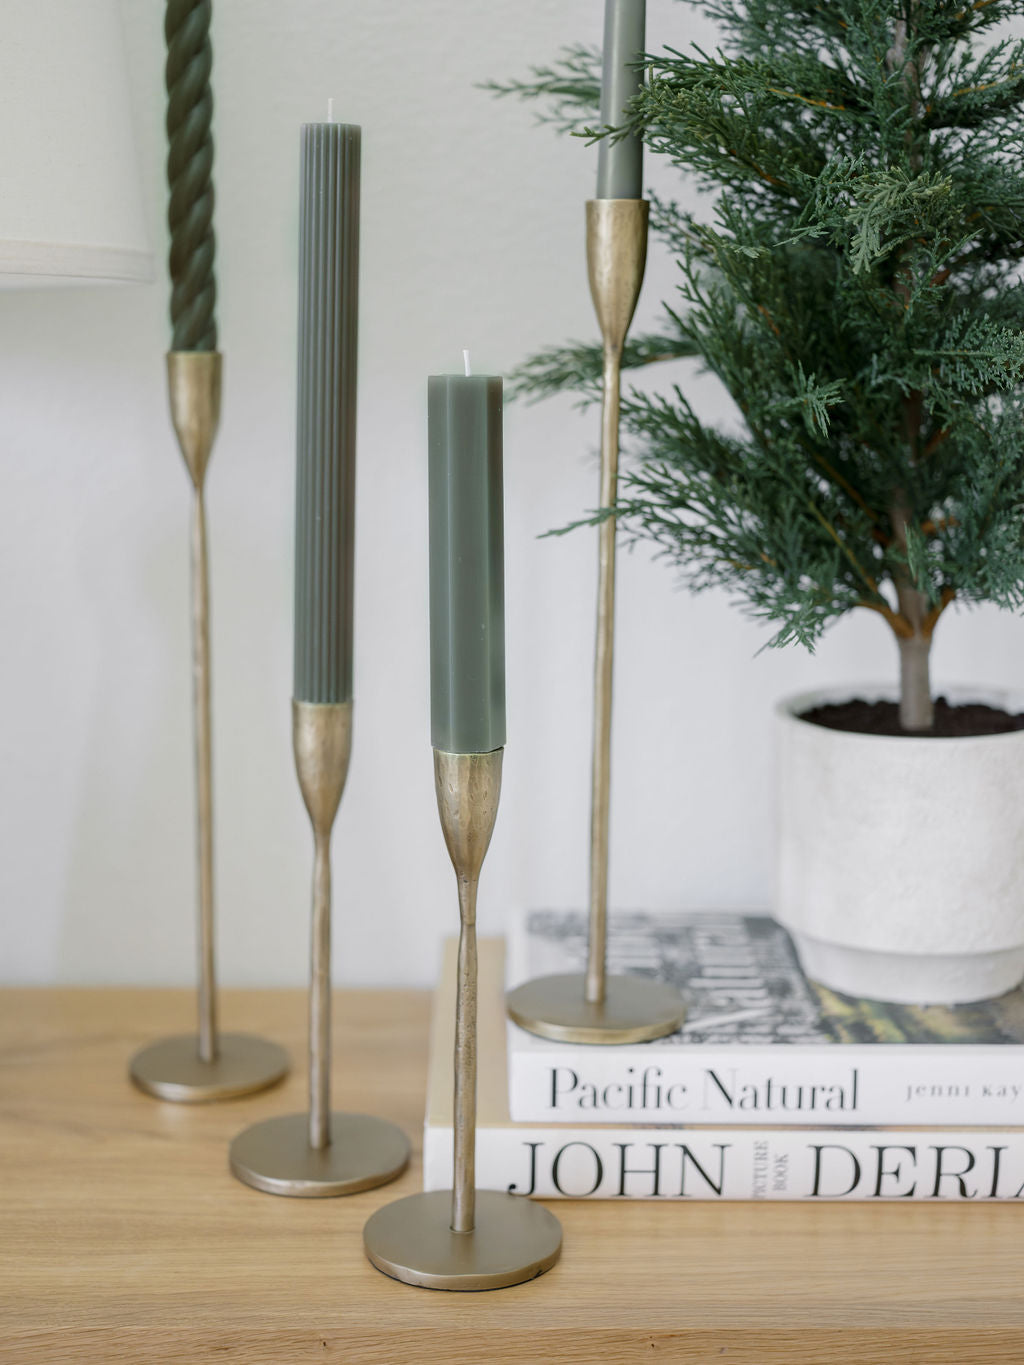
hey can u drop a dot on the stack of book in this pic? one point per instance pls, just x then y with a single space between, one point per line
774 1088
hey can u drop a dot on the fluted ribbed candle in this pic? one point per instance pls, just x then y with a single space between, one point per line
326 437
620 164
190 175
467 574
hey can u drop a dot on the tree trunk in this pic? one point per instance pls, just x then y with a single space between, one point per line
917 712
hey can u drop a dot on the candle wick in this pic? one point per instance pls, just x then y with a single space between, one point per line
465 361
330 111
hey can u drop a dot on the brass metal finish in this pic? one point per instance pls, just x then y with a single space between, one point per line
173 1070
193 386
634 1009
208 1066
467 787
276 1156
320 1154
514 1240
594 1008
464 1238
616 256
322 744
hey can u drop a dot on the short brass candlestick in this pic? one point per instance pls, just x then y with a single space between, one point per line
209 1065
465 1238
321 1153
594 1007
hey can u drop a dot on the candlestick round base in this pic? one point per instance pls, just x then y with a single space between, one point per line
275 1156
514 1240
173 1070
634 1010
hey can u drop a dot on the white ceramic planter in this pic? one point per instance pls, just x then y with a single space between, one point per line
901 860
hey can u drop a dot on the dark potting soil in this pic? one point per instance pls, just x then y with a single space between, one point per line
883 718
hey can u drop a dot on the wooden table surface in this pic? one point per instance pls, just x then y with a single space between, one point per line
124 1238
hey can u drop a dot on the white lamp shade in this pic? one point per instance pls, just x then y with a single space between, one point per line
70 202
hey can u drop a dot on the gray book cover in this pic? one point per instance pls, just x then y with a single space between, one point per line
742 983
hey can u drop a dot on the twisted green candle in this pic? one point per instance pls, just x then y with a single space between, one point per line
189 175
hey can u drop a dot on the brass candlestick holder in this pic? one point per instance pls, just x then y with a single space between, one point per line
209 1065
595 1007
465 1238
321 1153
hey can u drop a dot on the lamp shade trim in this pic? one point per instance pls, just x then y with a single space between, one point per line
52 261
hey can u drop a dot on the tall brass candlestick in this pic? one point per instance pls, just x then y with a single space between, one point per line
323 1153
320 1153
211 1065
596 1008
465 1238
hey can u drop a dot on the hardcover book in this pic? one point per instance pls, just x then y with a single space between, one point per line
621 1161
760 1042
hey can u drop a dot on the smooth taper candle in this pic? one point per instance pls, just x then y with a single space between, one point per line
326 437
620 163
467 587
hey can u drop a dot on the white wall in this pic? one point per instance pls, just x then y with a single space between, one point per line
472 236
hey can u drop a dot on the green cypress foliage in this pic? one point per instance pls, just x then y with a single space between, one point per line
855 285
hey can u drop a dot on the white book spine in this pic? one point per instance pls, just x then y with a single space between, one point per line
880 1084
680 1164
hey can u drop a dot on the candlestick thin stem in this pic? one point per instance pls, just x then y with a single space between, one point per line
604 653
464 1183
207 995
320 998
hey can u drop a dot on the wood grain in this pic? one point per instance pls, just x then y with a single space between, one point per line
124 1239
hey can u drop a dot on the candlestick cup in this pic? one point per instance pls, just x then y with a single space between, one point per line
465 1238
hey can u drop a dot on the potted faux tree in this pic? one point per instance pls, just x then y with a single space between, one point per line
855 287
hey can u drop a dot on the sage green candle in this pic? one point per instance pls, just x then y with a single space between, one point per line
190 175
467 572
620 164
326 436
